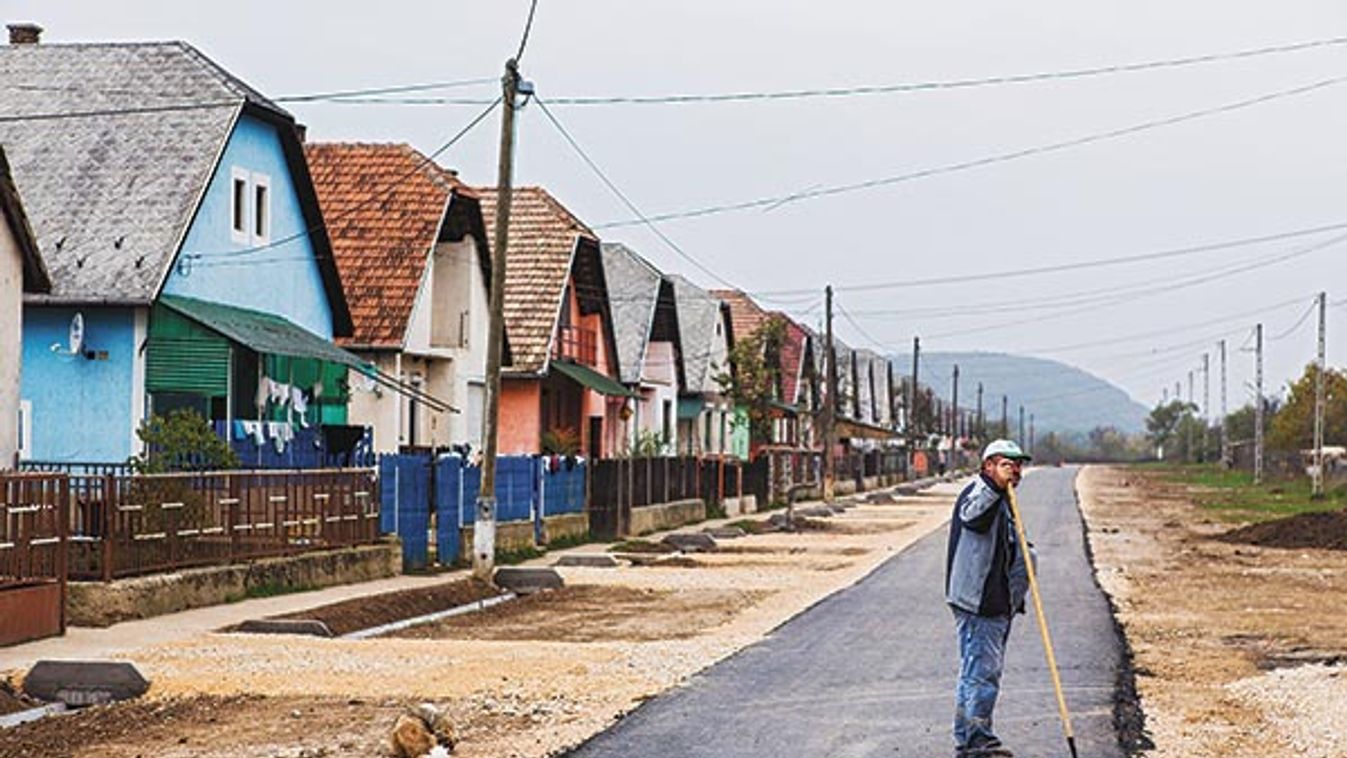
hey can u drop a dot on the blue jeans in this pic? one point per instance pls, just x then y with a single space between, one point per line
982 656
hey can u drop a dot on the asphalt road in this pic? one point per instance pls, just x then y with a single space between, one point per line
870 671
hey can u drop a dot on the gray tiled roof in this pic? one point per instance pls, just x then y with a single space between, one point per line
698 313
110 193
633 290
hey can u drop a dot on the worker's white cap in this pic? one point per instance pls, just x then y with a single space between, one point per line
1005 449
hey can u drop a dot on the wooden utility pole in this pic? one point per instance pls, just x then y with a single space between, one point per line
1191 458
912 429
1021 439
980 425
1225 412
484 529
1320 367
830 408
1005 417
1258 405
954 411
1206 403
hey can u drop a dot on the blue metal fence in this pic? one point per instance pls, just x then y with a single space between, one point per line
528 488
404 494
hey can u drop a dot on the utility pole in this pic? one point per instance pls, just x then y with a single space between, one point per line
912 408
830 409
980 425
1320 367
1021 439
1258 406
1191 458
1005 417
954 410
1031 434
484 529
1206 403
1225 413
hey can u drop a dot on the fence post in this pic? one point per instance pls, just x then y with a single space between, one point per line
111 502
61 510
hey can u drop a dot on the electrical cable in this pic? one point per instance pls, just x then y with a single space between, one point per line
988 160
895 88
620 195
327 219
528 27
1063 267
1299 323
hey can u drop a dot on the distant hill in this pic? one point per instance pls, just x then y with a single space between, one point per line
1062 398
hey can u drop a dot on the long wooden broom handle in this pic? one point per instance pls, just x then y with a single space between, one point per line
1042 621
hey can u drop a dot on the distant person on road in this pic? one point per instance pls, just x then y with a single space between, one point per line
985 583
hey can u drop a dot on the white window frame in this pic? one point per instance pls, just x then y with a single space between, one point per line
25 429
241 236
260 181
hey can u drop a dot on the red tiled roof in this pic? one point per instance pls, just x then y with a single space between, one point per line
383 206
745 315
543 237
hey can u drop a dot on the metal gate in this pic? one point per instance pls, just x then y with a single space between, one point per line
404 495
33 540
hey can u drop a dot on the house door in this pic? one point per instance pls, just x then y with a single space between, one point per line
595 437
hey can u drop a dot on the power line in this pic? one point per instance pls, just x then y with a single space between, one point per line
327 219
528 27
1299 323
1098 263
594 167
901 87
1153 291
352 93
989 160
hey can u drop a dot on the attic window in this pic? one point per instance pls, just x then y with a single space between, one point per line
238 206
261 209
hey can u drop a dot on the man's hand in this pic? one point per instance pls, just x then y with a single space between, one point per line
1005 472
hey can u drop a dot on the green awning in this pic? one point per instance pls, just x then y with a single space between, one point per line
262 332
604 385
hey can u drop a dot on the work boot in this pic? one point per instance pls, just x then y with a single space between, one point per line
996 750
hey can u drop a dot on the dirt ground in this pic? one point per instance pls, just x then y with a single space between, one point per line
1239 649
589 613
525 679
368 612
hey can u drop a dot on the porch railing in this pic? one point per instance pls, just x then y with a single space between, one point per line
130 525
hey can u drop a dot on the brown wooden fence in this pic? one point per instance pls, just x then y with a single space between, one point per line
32 556
130 525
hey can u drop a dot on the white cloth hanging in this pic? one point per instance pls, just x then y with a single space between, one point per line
300 405
256 430
281 434
263 392
279 392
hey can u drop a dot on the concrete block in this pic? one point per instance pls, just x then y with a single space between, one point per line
725 532
525 581
80 683
695 542
587 560
815 511
308 627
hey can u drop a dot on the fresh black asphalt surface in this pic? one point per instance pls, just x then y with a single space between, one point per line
870 671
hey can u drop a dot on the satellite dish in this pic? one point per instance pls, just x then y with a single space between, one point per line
76 345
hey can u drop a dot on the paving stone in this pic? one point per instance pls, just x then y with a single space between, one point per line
587 560
691 542
79 683
526 581
310 627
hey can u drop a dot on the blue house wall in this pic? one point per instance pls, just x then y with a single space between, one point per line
283 279
81 407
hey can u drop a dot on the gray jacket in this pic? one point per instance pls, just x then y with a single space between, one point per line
984 571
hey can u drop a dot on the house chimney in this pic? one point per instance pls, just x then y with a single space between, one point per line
24 34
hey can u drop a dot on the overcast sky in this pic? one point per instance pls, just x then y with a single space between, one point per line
1269 168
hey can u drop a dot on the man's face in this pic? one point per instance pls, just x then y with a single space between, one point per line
1004 471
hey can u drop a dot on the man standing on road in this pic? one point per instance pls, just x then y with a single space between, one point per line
985 583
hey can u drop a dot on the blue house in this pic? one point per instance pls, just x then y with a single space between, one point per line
189 266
